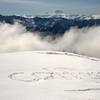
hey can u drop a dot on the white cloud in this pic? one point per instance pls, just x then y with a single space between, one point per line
84 41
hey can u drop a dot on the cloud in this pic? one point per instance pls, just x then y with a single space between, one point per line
15 38
83 41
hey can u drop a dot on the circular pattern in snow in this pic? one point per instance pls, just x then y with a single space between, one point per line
89 81
56 73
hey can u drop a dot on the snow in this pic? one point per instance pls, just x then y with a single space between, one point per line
49 75
82 17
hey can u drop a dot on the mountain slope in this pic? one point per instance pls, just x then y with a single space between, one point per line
49 75
52 25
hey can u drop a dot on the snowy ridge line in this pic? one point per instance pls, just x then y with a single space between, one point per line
69 54
86 17
84 90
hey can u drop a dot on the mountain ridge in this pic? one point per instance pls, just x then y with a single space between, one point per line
54 25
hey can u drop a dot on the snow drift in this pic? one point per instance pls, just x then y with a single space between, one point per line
84 41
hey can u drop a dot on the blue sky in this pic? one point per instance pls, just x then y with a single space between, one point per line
36 7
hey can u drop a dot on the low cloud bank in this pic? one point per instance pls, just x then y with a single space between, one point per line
83 41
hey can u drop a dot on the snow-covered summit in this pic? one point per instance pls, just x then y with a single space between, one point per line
49 75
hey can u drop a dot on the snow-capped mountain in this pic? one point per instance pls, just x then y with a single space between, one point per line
44 69
52 24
